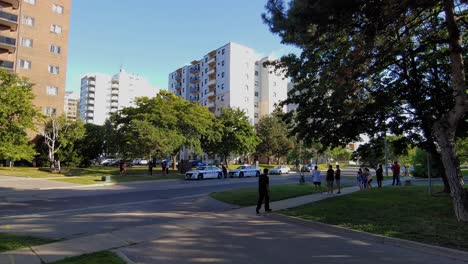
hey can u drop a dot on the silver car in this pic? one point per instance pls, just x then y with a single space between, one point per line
204 172
245 171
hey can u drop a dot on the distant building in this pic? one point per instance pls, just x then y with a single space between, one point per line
34 44
72 101
102 94
232 76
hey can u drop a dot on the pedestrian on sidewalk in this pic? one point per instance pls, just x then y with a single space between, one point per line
364 175
396 173
317 179
123 168
330 177
368 179
338 178
263 192
359 179
379 175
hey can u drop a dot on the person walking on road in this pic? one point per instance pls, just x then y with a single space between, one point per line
396 173
330 177
150 168
263 192
338 178
317 179
224 171
379 175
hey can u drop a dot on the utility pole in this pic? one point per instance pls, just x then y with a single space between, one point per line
386 155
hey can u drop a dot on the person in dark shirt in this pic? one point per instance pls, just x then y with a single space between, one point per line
338 178
379 175
225 172
330 177
263 192
150 168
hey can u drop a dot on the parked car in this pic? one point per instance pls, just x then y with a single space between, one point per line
282 169
245 171
197 163
106 162
308 168
204 172
129 163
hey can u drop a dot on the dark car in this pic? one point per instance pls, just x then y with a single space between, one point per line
197 163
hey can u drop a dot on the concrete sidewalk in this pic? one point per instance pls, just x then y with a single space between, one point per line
212 237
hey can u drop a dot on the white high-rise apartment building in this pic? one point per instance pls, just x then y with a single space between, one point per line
231 76
102 94
72 101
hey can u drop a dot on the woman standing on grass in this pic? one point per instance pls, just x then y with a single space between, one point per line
317 179
359 179
368 178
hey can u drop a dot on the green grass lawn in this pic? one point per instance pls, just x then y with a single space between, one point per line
249 196
91 175
11 242
403 212
102 257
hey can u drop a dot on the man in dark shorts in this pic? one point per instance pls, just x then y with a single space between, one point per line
330 177
379 174
338 178
263 192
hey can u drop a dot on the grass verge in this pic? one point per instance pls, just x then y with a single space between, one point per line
407 212
102 257
249 196
12 242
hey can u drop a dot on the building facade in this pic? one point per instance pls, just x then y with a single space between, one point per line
232 76
71 109
103 94
34 44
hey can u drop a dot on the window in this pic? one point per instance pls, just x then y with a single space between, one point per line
274 94
246 99
32 2
222 75
222 86
256 73
206 70
246 76
206 81
256 115
256 83
222 98
222 63
247 88
55 49
56 29
256 104
274 83
27 20
54 69
25 64
52 90
50 111
57 9
27 42
222 52
256 94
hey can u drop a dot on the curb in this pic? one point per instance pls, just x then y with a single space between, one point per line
397 242
122 256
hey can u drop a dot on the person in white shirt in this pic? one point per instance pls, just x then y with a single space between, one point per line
317 179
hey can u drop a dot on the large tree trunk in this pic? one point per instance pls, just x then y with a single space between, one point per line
444 129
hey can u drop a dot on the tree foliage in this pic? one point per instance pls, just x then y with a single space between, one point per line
377 66
233 135
17 114
273 134
161 126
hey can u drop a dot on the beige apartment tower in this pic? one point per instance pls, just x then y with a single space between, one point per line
34 44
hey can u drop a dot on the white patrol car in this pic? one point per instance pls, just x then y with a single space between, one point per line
245 171
204 172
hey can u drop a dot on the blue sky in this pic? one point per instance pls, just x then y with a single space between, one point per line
154 37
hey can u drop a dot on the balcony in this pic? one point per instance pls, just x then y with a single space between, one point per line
212 76
13 3
91 115
211 106
114 99
211 95
7 65
178 76
115 86
114 92
90 102
114 104
195 69
90 96
194 89
92 83
211 82
212 62
177 86
90 109
91 89
211 71
194 80
8 44
9 20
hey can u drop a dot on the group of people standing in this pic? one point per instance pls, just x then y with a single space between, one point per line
364 178
333 178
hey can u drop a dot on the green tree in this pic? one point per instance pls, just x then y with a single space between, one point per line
273 134
377 66
17 115
341 154
234 135
91 146
161 126
59 136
